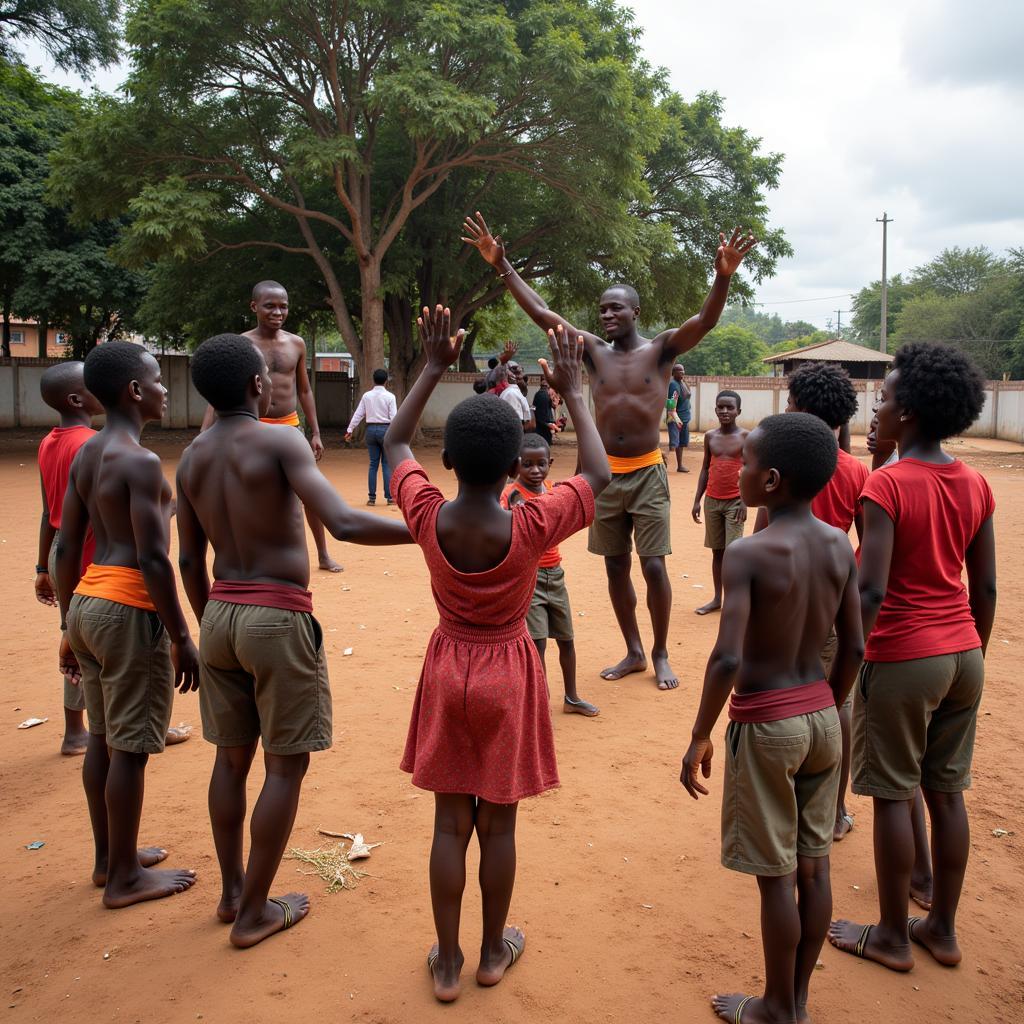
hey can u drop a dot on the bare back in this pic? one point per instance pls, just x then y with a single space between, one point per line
797 571
283 354
109 470
233 477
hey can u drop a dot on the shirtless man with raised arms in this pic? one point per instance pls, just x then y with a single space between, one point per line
285 354
628 378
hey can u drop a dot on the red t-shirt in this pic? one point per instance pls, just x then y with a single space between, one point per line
837 502
552 556
937 511
56 453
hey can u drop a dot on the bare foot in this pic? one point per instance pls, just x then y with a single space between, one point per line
445 976
227 909
663 670
740 1009
328 564
682 469
278 914
802 1016
148 856
578 706
74 743
921 892
712 606
492 970
150 884
943 948
843 827
863 941
177 734
630 663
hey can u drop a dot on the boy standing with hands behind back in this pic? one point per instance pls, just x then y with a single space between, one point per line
785 586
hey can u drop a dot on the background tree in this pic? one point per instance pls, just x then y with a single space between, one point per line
77 34
729 351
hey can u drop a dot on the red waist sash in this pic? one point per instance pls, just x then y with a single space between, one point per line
775 705
266 595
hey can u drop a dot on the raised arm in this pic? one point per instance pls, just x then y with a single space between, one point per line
723 665
320 498
145 488
981 580
192 547
727 260
492 250
566 377
442 349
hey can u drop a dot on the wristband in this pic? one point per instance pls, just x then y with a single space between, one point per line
511 270
42 569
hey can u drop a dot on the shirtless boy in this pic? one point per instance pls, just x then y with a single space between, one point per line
785 587
63 389
628 379
285 354
241 488
724 510
127 640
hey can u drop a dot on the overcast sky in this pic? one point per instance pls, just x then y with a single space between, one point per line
913 107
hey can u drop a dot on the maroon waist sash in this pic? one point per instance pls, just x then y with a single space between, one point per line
266 595
775 705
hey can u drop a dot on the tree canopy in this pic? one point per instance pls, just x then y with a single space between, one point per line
76 34
356 137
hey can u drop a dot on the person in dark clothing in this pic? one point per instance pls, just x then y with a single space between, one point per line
543 413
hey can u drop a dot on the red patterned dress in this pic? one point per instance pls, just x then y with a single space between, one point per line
481 722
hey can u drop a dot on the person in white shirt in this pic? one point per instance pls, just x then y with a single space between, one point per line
514 396
378 408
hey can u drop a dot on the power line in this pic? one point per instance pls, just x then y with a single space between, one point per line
789 302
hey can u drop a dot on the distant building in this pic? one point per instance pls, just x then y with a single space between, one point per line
335 362
859 362
25 341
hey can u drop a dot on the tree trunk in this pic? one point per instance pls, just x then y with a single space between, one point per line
467 364
372 355
44 335
5 347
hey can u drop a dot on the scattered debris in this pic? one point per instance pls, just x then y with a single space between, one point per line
819 965
30 722
331 864
1000 833
697 586
36 844
856 888
345 653
647 906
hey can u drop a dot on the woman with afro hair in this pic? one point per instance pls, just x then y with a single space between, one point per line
916 699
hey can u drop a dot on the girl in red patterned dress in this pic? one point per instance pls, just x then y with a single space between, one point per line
480 736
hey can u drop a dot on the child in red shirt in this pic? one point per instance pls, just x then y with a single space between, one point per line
550 614
916 700
62 388
480 736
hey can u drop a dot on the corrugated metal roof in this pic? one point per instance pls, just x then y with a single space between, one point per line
833 352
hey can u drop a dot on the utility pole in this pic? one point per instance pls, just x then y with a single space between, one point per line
885 220
839 322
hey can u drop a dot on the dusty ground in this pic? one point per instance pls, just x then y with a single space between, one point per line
628 913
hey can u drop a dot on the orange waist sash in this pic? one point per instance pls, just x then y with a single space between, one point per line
291 420
116 583
631 463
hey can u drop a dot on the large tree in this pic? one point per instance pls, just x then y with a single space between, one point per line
376 126
76 34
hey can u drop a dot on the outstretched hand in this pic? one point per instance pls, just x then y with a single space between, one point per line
566 375
700 753
441 347
730 254
509 351
491 247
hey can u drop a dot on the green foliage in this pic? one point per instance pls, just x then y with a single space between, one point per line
77 34
374 127
729 351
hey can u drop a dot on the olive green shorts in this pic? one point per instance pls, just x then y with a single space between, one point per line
633 506
722 523
781 787
914 724
263 674
127 677
74 696
550 615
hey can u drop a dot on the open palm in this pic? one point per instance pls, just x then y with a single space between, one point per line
730 254
479 235
436 336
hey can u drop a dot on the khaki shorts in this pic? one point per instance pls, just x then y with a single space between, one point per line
550 615
263 674
127 677
722 522
781 787
636 505
74 696
914 724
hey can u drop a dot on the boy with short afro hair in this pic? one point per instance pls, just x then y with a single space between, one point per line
724 511
550 614
784 588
